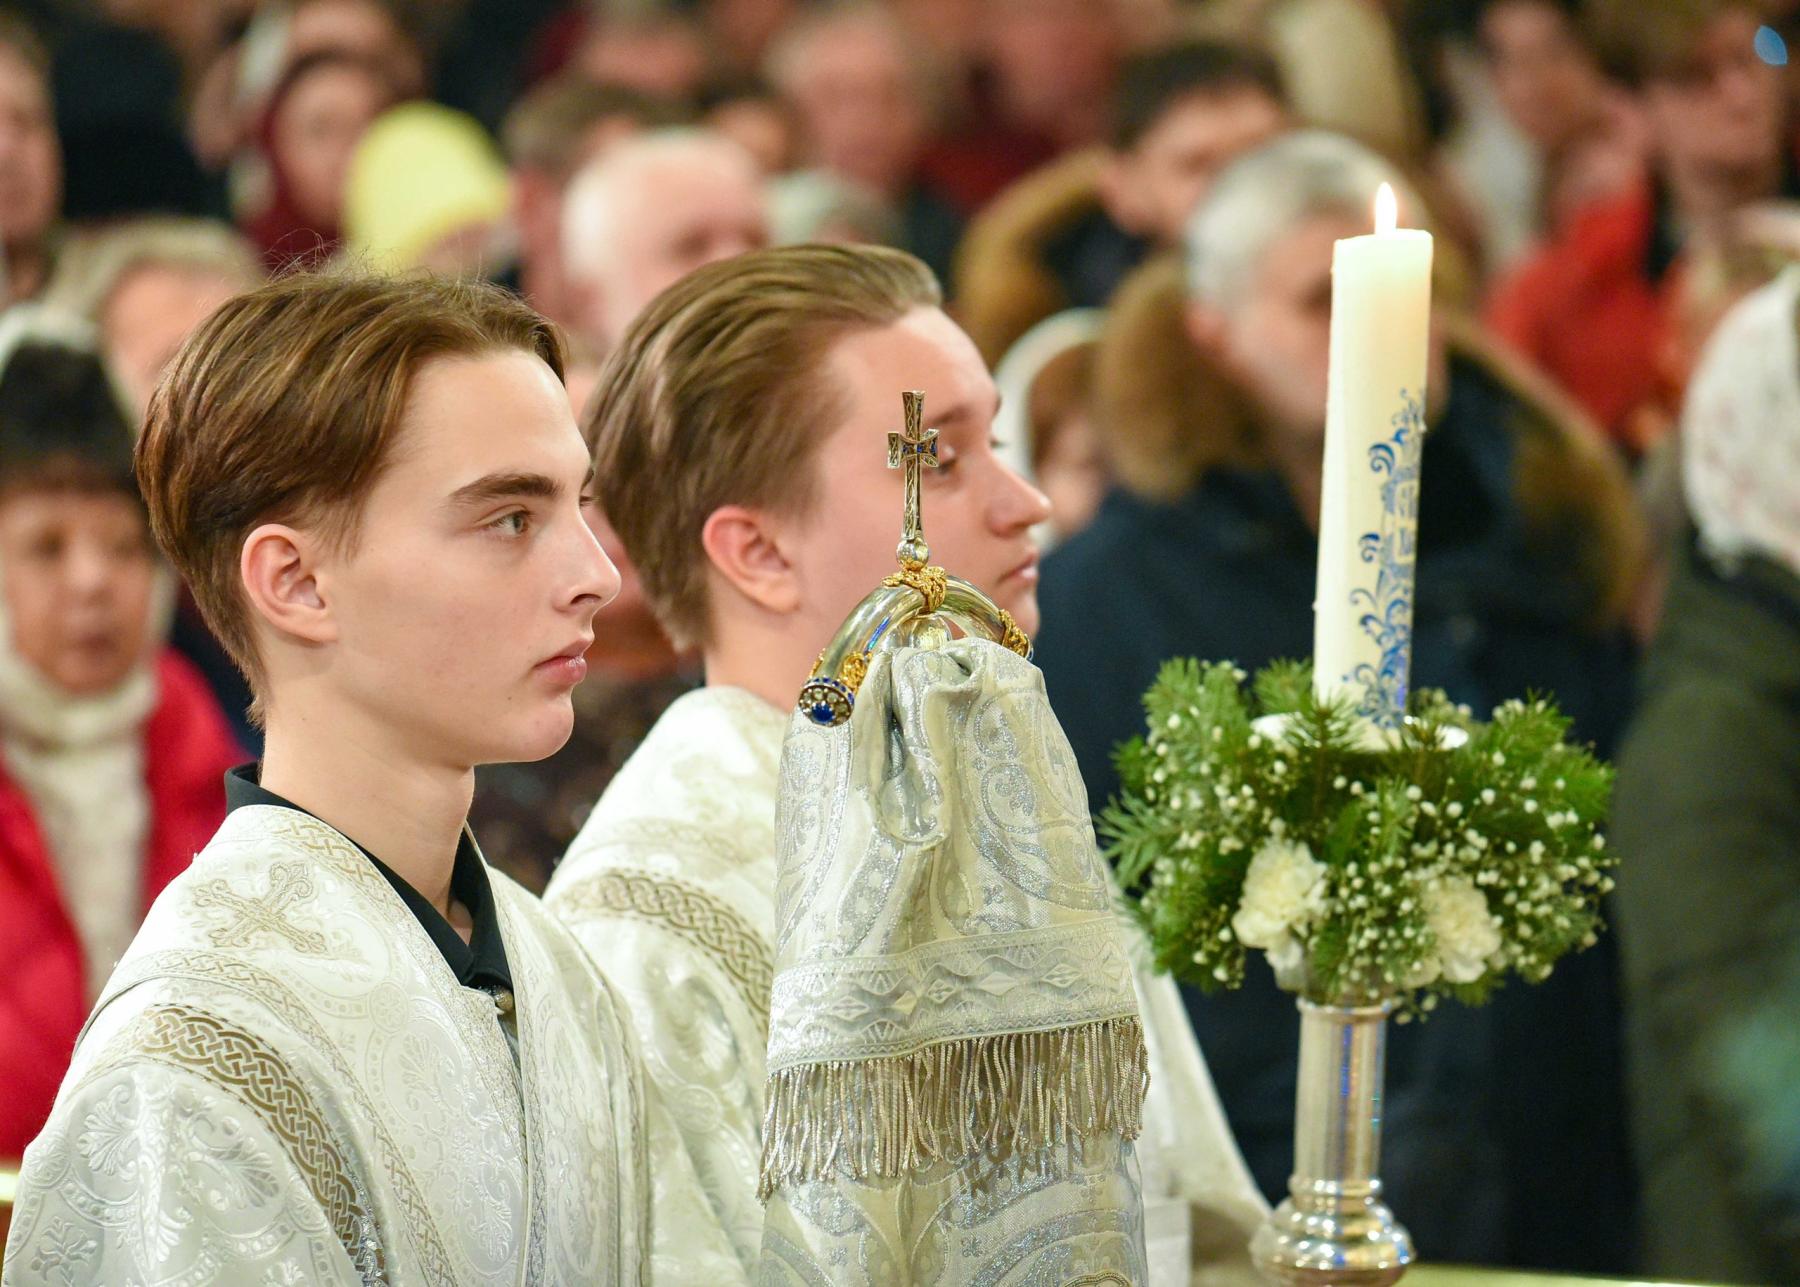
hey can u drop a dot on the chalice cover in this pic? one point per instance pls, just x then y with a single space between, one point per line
952 987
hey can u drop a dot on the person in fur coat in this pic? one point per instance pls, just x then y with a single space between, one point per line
1506 1135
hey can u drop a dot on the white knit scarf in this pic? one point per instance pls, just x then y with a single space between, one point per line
80 760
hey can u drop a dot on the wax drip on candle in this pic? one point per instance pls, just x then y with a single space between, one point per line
1387 210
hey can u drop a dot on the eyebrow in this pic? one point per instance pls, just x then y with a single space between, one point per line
964 410
509 486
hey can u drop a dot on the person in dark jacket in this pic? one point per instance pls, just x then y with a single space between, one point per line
1707 824
1506 1138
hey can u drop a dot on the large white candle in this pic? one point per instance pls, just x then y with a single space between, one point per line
1374 429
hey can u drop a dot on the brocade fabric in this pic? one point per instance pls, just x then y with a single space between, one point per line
284 1083
956 1061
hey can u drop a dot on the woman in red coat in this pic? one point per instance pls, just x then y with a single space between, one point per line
112 750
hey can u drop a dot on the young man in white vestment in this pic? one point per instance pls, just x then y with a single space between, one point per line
739 434
342 1049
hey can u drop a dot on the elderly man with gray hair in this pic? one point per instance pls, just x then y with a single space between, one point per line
647 212
1505 1138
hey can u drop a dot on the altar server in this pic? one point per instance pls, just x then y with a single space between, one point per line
342 1049
740 433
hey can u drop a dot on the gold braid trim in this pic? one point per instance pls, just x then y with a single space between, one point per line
930 582
691 914
854 670
1014 638
239 1063
1015 1092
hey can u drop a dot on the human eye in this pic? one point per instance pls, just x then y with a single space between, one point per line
513 523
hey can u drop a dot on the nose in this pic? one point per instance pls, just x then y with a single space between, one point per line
88 569
1016 505
595 581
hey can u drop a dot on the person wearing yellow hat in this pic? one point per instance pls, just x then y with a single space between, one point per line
427 189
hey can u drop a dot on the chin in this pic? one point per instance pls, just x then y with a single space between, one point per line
1024 609
536 739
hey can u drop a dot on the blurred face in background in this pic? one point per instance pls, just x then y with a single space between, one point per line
663 56
363 28
667 215
860 103
1066 457
1055 61
149 313
1275 341
78 574
30 160
1152 187
762 126
316 129
1546 78
1719 114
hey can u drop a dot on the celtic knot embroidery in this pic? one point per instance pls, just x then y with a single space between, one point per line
240 1063
290 883
693 914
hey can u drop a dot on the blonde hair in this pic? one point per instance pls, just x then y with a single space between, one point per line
92 266
718 395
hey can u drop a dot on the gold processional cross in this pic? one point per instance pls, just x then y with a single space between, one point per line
912 448
830 692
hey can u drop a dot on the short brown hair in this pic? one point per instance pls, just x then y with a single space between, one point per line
717 395
284 406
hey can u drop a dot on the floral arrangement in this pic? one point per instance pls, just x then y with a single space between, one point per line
1367 866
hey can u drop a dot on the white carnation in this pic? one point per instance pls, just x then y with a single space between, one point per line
1467 933
1284 890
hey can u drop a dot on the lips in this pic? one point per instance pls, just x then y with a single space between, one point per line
1026 571
568 666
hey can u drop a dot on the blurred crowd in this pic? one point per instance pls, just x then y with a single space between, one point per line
1131 205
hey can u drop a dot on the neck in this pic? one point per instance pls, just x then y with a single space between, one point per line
1703 197
349 773
761 657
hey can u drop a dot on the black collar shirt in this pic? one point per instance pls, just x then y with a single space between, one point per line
478 963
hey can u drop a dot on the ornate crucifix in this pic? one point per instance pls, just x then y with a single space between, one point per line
910 449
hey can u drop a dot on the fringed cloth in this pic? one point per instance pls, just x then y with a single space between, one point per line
951 983
1020 1093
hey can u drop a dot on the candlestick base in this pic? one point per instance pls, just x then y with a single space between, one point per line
1333 1228
1328 1233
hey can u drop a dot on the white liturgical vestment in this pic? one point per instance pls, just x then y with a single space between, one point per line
284 1083
671 887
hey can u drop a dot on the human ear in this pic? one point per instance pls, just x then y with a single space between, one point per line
278 567
744 548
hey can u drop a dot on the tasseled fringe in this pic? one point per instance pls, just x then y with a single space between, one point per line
1018 1092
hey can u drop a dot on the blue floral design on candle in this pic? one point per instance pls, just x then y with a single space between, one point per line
1387 611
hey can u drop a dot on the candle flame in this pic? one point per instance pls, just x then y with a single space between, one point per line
1387 209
